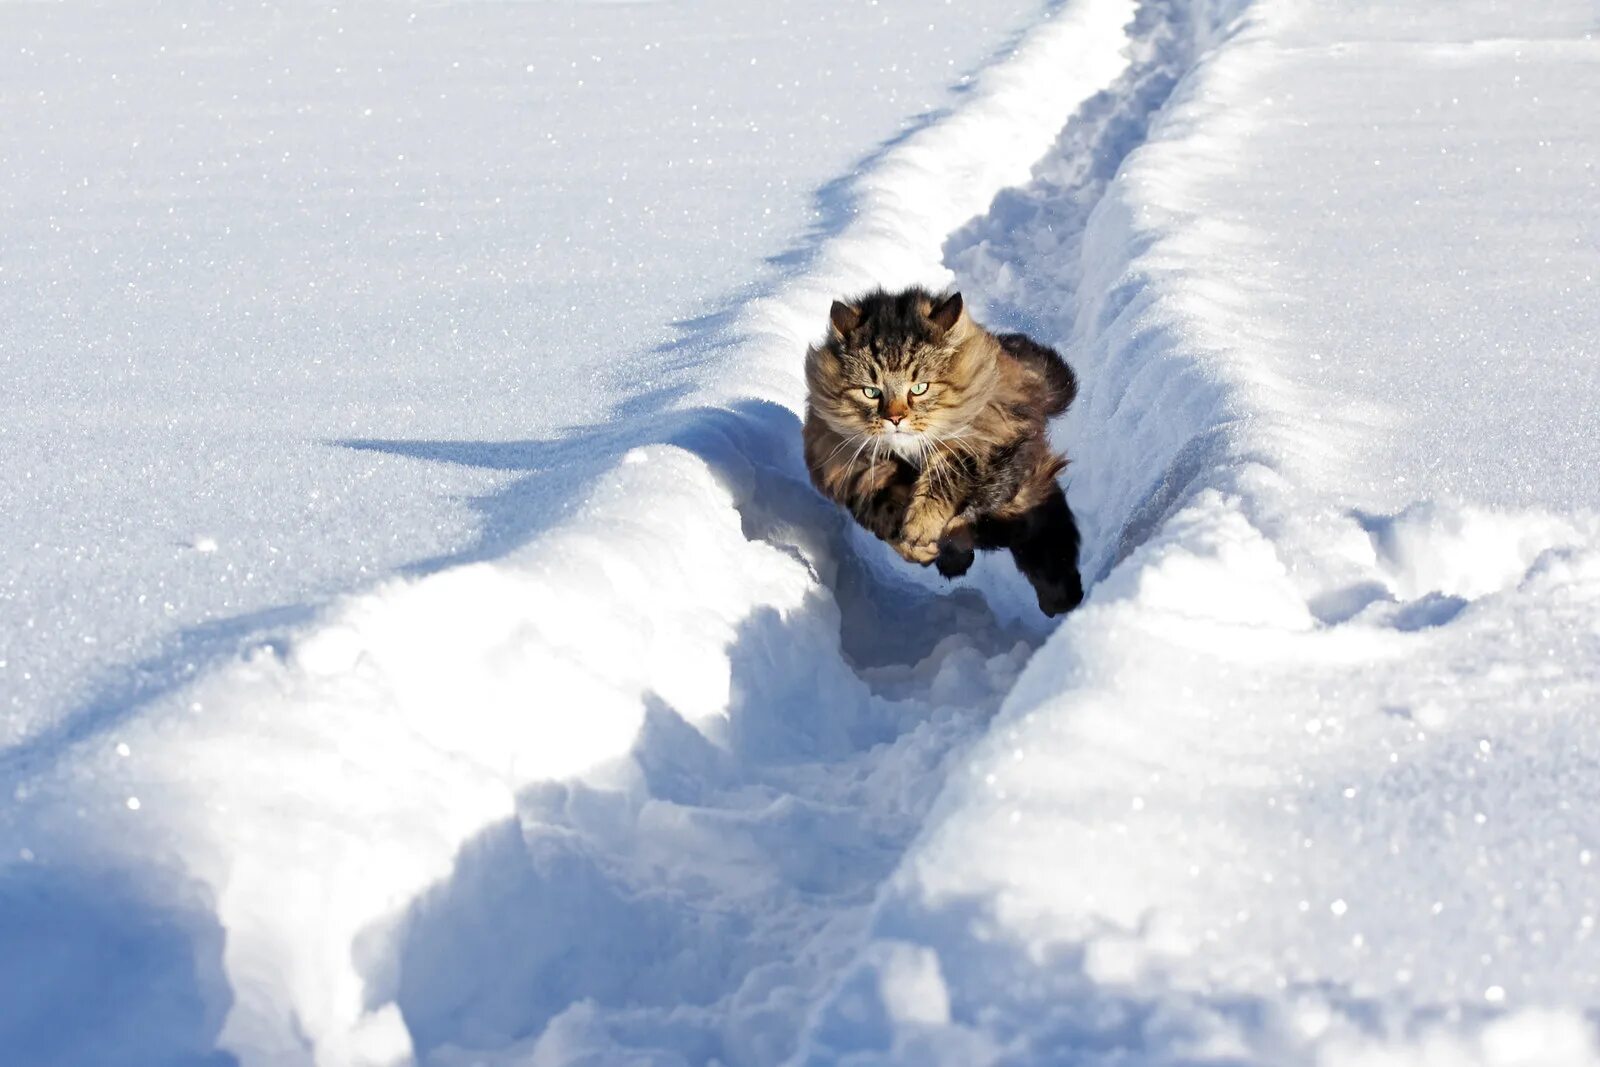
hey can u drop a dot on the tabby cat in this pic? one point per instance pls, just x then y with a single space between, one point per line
930 430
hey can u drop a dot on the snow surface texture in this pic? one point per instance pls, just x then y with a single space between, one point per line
698 774
239 244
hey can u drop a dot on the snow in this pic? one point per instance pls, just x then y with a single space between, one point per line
571 727
256 266
1308 780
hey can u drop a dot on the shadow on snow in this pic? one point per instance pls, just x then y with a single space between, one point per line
96 974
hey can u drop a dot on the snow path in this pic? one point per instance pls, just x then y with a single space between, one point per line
713 892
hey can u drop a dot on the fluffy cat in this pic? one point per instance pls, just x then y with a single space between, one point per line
930 430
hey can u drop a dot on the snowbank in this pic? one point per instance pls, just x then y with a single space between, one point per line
296 303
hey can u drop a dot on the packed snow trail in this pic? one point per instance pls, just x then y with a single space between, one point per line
1312 778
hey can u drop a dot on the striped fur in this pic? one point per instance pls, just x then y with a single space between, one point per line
961 463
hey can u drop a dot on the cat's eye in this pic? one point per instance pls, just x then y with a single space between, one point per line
872 391
919 388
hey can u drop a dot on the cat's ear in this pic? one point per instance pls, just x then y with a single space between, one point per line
947 312
844 317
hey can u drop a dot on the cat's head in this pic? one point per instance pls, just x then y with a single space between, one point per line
902 370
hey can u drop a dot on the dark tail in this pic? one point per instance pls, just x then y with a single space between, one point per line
1061 384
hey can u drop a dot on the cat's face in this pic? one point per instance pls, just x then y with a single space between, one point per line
898 376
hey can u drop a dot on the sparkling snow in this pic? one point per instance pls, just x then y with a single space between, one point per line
391 683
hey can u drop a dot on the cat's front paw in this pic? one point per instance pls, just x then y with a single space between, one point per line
921 532
919 552
956 548
954 559
924 523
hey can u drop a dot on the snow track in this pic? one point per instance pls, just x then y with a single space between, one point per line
713 890
733 889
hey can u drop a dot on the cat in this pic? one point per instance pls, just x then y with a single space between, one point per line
931 432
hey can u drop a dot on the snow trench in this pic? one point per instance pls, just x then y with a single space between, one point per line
685 769
716 886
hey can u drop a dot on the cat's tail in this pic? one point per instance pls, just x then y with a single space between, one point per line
1060 384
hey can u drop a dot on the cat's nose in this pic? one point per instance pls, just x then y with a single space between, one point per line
895 419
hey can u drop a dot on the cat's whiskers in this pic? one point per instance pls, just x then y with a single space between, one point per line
866 439
956 444
941 471
877 449
844 444
942 476
922 455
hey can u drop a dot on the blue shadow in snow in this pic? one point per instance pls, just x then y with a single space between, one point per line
94 975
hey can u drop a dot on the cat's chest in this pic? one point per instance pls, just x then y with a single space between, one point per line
907 448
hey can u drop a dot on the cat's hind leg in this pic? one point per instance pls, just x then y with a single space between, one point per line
1044 545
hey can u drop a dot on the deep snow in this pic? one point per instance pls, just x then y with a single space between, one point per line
672 766
295 298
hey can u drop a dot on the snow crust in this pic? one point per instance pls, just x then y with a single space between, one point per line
674 766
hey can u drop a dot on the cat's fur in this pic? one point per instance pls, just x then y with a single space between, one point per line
965 465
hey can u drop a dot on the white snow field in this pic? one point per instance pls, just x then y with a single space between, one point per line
559 722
